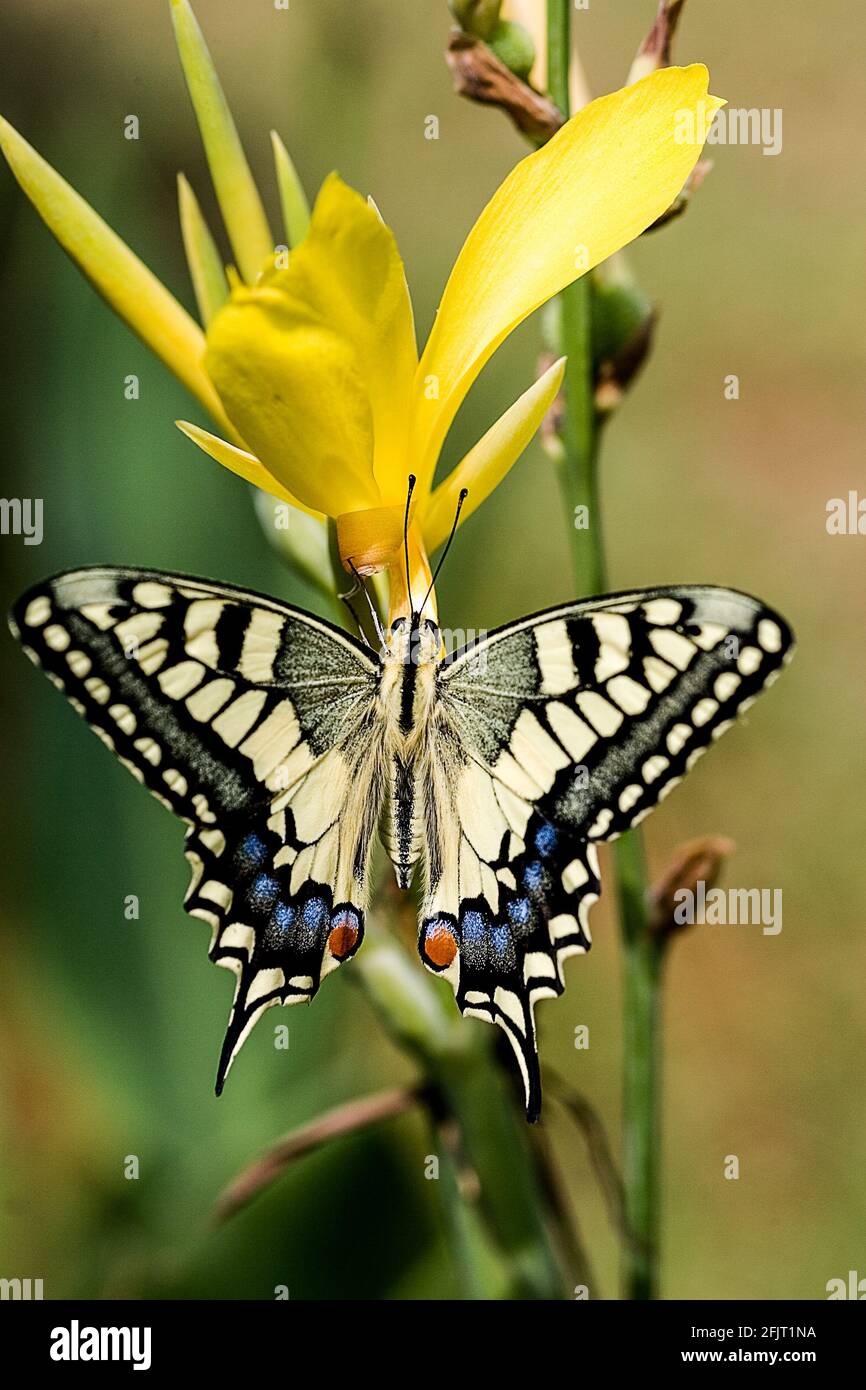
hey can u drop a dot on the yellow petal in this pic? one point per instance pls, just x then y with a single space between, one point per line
120 277
293 199
238 461
315 364
293 391
205 263
486 465
349 275
603 178
370 540
236 191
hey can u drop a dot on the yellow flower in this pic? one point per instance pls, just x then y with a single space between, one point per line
310 367
316 363
318 369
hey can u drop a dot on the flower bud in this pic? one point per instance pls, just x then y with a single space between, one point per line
655 51
513 46
482 76
477 16
623 320
695 861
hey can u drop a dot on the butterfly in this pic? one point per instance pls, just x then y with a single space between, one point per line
285 744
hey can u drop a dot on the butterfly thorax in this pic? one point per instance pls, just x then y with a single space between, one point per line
407 691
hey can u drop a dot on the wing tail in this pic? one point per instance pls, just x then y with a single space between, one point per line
502 957
274 923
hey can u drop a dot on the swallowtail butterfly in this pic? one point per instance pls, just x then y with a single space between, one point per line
285 743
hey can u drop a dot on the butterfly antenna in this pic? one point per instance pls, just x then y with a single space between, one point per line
406 539
464 493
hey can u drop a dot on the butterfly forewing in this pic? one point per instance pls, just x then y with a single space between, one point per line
555 733
254 723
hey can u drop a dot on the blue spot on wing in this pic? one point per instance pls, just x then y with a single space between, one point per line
472 927
545 840
315 913
283 916
251 853
534 876
519 911
315 919
263 892
500 940
502 950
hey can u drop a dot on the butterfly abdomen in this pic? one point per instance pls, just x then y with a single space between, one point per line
401 828
407 692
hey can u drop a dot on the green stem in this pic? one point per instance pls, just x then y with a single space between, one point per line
511 1199
578 472
465 1241
642 969
457 1063
578 469
559 52
642 955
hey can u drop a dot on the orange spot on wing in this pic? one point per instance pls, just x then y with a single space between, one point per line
440 947
343 936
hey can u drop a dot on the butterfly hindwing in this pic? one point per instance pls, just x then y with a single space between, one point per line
556 733
285 892
251 721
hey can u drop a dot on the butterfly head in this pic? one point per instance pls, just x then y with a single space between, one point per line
414 641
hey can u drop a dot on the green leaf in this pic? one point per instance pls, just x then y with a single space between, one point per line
293 199
125 283
204 260
303 545
238 197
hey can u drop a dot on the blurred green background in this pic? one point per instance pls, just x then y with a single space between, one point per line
110 1029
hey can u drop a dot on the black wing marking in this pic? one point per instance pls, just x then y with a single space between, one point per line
250 720
555 733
